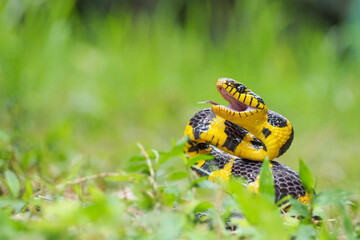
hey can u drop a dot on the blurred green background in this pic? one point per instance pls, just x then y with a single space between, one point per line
83 82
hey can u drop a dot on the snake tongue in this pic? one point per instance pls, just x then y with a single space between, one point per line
211 102
233 105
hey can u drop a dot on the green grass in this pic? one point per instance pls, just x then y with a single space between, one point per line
78 93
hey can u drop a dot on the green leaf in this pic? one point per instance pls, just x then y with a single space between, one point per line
306 177
176 150
203 207
28 189
171 195
266 186
198 181
298 208
320 212
172 190
11 204
208 185
169 199
331 197
12 183
136 167
177 175
138 162
346 221
133 177
306 232
142 158
199 158
180 142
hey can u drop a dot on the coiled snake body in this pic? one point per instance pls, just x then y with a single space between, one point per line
240 137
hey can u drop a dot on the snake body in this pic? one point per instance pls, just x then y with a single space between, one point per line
240 137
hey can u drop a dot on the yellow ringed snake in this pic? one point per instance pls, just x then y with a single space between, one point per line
239 137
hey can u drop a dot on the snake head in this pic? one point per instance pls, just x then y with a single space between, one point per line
244 105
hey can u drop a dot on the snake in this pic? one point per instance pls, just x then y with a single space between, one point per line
240 137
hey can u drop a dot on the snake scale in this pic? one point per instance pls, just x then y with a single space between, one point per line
239 137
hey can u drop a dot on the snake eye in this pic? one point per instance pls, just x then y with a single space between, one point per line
240 88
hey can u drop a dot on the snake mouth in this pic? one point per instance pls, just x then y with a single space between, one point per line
242 101
235 104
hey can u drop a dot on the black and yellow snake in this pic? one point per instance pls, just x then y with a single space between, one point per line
240 137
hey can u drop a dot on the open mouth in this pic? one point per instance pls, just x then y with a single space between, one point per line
235 104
